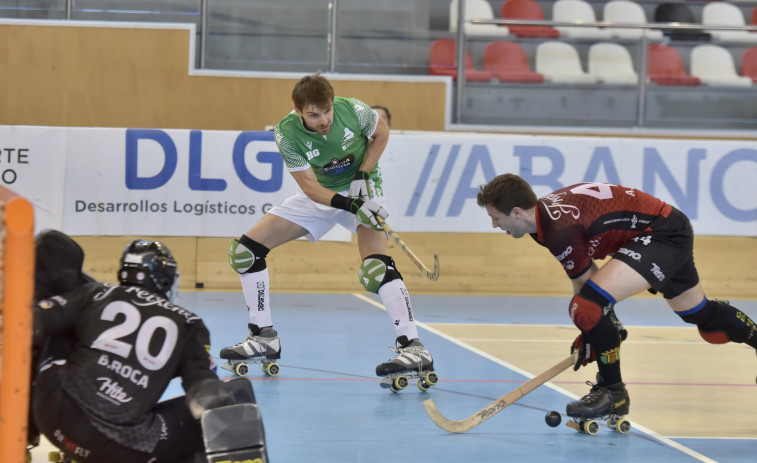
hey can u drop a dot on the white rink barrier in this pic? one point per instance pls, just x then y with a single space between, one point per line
111 181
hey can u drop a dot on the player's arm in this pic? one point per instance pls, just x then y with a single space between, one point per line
194 366
309 185
57 314
376 144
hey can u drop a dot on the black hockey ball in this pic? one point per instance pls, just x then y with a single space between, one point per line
553 418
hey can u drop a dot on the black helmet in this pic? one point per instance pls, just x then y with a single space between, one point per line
149 264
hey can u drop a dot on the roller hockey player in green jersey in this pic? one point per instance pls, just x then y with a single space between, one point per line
331 146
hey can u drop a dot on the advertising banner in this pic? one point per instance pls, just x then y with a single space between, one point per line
105 181
433 179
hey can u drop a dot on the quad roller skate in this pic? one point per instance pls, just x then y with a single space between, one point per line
610 402
258 347
412 361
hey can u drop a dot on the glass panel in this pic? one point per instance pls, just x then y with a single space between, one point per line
33 9
268 35
384 36
396 37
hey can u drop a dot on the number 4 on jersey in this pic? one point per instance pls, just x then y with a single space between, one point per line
595 190
644 239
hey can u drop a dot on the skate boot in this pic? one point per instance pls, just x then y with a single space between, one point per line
412 361
258 347
603 401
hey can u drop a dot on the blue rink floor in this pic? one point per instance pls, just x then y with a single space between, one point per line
326 404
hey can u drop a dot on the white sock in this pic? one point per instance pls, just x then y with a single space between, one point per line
257 295
397 302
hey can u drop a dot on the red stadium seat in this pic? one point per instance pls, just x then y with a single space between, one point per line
749 63
666 67
442 62
509 63
526 9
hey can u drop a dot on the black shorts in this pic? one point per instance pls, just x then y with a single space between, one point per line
68 427
664 256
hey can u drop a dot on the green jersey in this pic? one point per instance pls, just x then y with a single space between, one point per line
336 156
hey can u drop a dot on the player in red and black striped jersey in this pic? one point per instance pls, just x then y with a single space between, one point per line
651 245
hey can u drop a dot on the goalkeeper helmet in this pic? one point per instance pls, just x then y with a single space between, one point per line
151 265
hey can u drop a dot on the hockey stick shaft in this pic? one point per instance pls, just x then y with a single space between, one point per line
498 405
432 275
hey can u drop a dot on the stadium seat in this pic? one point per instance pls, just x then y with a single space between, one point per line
476 9
749 63
581 11
678 13
627 11
611 63
713 65
527 9
726 14
442 55
559 62
666 67
509 63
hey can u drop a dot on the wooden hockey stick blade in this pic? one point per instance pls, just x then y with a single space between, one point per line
498 405
432 275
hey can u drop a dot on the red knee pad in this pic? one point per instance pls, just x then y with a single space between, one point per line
584 313
715 337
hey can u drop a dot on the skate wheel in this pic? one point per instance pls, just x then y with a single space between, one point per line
241 369
431 378
590 427
423 386
622 426
271 369
399 383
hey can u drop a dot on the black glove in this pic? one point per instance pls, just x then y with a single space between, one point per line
366 211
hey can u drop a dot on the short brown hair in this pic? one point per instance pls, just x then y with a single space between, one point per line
313 90
505 192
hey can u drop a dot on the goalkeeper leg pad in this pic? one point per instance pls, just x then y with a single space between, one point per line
234 433
247 255
377 270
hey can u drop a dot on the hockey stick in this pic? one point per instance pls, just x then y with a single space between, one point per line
431 275
498 405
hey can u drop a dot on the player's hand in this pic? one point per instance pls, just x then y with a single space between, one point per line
362 186
367 212
585 352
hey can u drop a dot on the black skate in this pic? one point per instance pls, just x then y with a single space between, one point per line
258 347
609 402
412 361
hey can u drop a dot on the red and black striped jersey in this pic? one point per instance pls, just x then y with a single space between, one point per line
589 221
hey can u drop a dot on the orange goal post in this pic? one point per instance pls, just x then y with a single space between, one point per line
16 295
